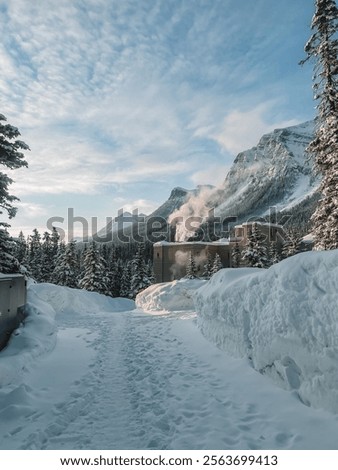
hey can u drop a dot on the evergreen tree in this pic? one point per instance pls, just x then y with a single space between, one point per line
207 270
8 262
292 243
191 267
217 264
275 255
140 279
47 258
125 289
236 256
35 255
24 264
150 272
323 48
94 276
21 248
61 250
255 252
66 272
12 158
287 249
55 240
115 273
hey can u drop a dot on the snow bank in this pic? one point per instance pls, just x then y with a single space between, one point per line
67 300
169 296
36 337
38 333
284 319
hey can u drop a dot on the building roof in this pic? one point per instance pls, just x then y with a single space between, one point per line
6 277
268 224
221 241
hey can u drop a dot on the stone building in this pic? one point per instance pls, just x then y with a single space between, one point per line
171 258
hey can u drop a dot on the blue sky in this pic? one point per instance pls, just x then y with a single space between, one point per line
122 100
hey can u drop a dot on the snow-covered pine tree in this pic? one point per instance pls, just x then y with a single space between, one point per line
8 262
35 255
47 258
292 244
66 272
323 48
255 252
115 274
140 279
94 277
55 241
275 255
236 256
150 272
191 267
287 249
12 158
125 288
217 264
207 268
21 248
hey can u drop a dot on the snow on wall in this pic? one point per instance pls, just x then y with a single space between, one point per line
284 319
169 296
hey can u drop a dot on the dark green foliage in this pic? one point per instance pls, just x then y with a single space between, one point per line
236 256
217 264
255 252
323 48
191 267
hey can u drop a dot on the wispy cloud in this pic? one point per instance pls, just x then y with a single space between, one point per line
115 93
242 129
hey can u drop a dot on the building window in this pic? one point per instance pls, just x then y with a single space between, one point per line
158 255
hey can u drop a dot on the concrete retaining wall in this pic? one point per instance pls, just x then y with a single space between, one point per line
13 291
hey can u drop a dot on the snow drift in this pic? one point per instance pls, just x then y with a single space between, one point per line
65 299
36 337
169 296
284 319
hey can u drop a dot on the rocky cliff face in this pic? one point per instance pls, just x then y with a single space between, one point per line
277 172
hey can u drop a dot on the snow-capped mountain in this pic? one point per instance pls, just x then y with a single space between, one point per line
177 198
277 172
114 225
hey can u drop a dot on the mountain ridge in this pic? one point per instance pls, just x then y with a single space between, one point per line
277 172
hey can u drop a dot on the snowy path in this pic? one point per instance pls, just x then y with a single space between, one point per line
138 381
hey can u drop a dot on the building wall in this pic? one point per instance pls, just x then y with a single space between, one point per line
170 260
12 300
273 233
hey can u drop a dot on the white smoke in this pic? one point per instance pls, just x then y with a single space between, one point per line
181 259
192 214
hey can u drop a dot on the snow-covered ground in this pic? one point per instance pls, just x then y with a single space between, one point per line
89 372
